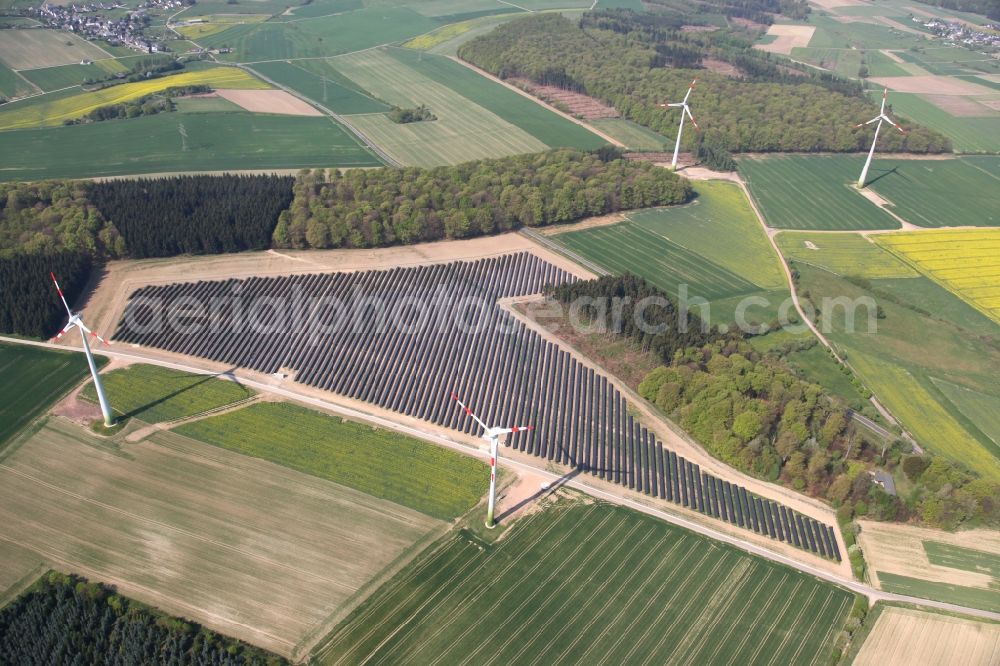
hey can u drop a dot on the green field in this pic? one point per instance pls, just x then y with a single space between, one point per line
33 379
880 64
954 344
981 408
967 134
844 62
591 584
317 80
844 254
463 130
936 193
29 49
831 33
814 192
54 78
635 137
973 597
179 142
155 394
714 245
431 479
322 36
550 128
966 559
12 85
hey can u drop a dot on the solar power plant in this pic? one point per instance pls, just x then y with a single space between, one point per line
405 339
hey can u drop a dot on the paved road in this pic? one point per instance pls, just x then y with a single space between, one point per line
575 482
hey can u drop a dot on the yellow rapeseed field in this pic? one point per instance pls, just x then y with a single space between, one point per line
965 261
55 112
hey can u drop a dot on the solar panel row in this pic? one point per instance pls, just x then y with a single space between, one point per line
405 339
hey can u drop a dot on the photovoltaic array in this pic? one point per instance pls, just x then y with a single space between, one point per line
405 339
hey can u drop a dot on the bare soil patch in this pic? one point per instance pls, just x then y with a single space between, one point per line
243 546
269 101
931 85
831 4
891 55
909 637
747 23
722 67
961 107
788 37
899 549
590 222
575 103
699 28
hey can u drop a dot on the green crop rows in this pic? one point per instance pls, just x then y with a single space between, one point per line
433 480
592 584
33 379
814 192
317 80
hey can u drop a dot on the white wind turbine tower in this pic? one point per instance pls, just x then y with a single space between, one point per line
74 320
492 435
685 111
880 118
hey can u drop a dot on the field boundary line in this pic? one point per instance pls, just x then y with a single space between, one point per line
509 86
548 244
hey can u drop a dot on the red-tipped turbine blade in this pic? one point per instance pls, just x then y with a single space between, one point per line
62 332
59 289
454 396
520 428
693 121
92 334
693 82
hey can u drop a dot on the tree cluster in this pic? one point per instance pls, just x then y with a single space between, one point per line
194 214
65 620
376 207
29 304
414 115
947 496
147 105
614 56
629 306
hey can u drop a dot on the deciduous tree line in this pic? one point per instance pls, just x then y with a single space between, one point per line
369 208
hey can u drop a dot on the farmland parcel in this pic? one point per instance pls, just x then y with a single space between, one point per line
595 584
240 545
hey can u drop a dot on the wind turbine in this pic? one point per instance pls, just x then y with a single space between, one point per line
492 435
685 110
74 320
881 117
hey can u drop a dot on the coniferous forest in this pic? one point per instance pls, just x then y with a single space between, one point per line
67 620
636 62
29 304
193 214
369 208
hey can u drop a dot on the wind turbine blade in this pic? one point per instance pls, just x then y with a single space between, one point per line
693 121
59 289
690 88
869 122
517 429
674 104
92 334
885 94
64 331
468 411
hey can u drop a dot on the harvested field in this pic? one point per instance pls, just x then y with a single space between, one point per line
270 101
574 103
931 85
787 38
899 549
245 547
964 107
592 584
31 49
910 637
